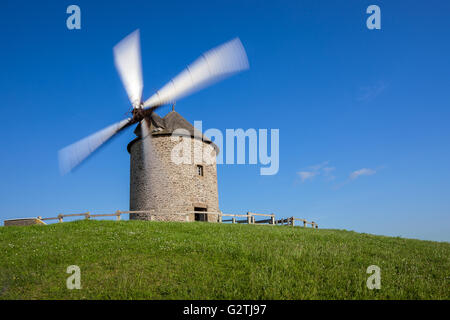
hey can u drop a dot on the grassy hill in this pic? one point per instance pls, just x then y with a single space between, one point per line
157 260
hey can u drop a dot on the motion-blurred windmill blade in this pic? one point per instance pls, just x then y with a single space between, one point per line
127 58
72 155
148 150
214 65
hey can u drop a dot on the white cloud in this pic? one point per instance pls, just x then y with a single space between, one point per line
315 170
370 92
319 166
362 172
328 173
305 175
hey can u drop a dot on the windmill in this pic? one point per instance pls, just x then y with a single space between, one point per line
212 66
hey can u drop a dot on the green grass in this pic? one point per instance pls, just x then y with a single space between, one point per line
169 260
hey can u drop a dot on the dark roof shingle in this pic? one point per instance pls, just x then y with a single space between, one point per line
168 124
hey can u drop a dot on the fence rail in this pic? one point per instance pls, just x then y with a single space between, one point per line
249 218
291 221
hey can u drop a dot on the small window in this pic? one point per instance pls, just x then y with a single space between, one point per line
199 216
200 170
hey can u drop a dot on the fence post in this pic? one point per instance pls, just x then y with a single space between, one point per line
60 217
249 218
118 215
272 219
219 217
292 221
233 220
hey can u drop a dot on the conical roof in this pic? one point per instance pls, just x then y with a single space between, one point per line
173 121
168 124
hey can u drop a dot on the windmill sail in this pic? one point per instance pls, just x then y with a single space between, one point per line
72 155
214 65
127 58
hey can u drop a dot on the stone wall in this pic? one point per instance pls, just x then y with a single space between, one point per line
165 188
22 222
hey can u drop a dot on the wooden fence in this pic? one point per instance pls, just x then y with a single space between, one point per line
291 222
86 215
249 218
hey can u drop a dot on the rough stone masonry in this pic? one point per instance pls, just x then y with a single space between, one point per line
164 188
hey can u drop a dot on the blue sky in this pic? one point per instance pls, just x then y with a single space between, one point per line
344 98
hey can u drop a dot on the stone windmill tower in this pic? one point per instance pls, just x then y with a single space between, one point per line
164 188
157 184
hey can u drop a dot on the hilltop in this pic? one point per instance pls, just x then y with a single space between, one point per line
170 260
